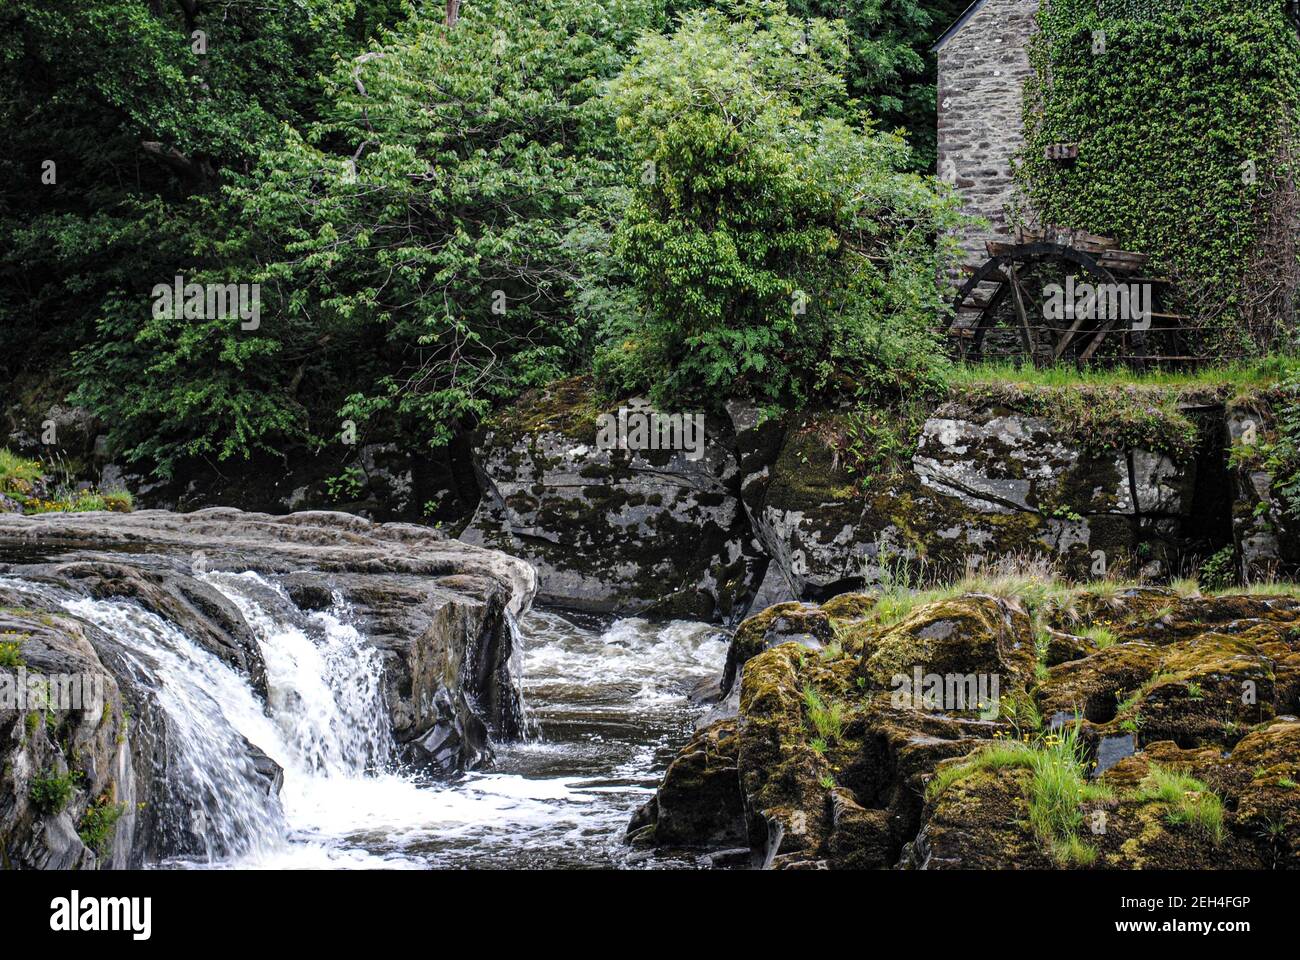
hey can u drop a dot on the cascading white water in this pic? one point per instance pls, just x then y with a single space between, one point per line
325 689
325 721
332 734
611 704
216 804
211 711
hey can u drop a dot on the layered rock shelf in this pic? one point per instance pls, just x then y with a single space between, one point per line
439 613
1167 721
775 510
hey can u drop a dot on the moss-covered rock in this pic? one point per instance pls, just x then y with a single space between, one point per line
1110 607
1184 618
983 821
699 803
785 802
979 823
1063 647
801 623
992 475
1093 688
805 506
1267 807
614 530
835 771
966 635
849 606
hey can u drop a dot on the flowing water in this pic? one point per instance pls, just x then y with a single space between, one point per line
609 703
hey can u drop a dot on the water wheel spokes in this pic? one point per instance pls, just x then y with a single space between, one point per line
1005 270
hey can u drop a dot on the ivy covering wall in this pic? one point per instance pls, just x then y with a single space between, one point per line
1184 112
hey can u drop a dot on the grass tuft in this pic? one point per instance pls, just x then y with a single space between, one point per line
1058 788
1102 637
826 718
1189 801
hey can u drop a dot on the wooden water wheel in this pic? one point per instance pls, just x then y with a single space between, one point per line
997 302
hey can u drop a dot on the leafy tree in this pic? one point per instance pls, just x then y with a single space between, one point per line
123 120
427 196
431 245
780 249
890 65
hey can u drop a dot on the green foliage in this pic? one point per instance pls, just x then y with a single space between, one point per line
11 656
878 443
143 130
1019 709
1220 571
82 501
346 485
429 211
779 250
993 756
825 718
1099 635
118 501
1240 376
1057 790
1189 801
18 475
890 67
99 822
1185 124
50 794
25 480
1282 458
447 226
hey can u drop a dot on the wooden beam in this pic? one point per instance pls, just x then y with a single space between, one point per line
1018 300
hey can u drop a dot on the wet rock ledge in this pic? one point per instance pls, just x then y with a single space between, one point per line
76 789
1184 708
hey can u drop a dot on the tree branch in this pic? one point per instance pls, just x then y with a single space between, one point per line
199 171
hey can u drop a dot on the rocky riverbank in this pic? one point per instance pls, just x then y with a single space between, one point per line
1098 727
1147 482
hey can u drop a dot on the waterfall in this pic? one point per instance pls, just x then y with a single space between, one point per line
324 722
324 681
613 701
215 802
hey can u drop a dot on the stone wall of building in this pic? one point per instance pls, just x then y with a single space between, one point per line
982 72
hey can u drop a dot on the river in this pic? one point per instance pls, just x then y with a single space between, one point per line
607 702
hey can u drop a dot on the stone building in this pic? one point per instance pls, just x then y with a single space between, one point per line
983 66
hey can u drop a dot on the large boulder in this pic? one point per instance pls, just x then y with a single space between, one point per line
984 482
972 634
699 803
613 530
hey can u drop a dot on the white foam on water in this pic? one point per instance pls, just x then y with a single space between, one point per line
610 702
